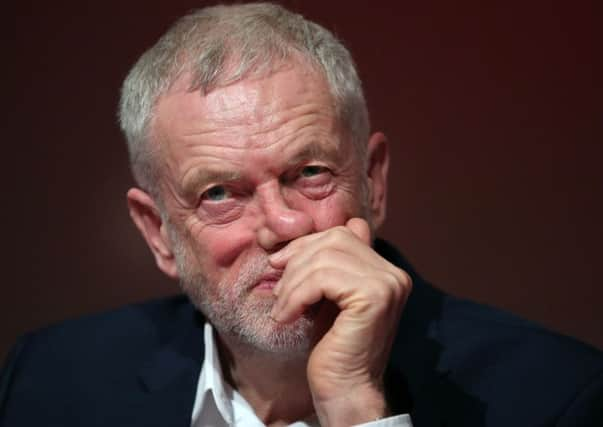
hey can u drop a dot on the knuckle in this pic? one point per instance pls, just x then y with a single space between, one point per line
319 275
338 233
394 286
407 282
403 278
399 283
381 293
326 254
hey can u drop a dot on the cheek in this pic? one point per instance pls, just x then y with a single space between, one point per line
331 211
218 247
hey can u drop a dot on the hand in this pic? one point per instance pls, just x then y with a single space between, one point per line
345 368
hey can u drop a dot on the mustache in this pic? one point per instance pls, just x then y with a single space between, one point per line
255 270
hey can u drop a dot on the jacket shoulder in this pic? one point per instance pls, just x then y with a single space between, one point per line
76 359
519 369
466 328
140 326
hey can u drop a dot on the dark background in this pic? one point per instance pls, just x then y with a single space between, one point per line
493 110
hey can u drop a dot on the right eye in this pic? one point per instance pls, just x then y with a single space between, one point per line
216 193
312 170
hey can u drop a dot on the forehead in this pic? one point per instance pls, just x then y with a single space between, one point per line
246 114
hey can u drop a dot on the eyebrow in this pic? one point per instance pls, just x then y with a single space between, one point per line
315 150
203 176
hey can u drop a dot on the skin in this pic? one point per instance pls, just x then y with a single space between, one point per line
285 189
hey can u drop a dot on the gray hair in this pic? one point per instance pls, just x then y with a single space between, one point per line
221 45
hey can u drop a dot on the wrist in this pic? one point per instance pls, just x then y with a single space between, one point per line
355 406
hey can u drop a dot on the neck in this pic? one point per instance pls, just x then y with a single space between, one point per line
264 378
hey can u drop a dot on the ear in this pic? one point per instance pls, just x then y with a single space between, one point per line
377 168
145 215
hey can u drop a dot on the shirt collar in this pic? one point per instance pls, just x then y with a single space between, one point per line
214 398
212 390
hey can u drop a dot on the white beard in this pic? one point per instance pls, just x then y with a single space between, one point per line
235 310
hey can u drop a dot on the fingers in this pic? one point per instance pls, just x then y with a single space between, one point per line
296 299
351 289
360 228
325 248
339 265
336 264
356 226
305 282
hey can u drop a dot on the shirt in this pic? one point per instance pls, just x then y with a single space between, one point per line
217 404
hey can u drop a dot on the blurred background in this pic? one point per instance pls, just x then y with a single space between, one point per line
493 111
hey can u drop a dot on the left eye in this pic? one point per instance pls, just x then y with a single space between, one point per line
216 193
312 170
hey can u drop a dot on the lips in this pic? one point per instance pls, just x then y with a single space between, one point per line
269 280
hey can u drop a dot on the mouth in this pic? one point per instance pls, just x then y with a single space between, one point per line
268 281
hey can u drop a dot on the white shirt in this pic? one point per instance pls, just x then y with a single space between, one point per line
219 405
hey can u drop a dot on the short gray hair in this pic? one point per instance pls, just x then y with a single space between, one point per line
220 45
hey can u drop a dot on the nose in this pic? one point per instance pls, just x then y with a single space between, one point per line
282 222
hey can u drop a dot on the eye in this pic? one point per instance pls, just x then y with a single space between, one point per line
216 193
312 170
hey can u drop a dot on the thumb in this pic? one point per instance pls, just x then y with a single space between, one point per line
360 228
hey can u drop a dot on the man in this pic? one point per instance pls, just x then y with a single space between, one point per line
260 189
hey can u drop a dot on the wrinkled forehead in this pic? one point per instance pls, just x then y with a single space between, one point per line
258 104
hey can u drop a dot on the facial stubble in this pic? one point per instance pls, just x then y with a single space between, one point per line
234 309
237 310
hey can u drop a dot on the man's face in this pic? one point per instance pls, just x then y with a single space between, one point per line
247 168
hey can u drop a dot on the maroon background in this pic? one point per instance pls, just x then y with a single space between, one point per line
493 111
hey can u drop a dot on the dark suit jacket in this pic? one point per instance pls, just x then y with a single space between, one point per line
454 363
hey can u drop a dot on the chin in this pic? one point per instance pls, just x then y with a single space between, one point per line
252 327
293 339
246 320
242 313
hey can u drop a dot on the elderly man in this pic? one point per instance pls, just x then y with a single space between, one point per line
260 189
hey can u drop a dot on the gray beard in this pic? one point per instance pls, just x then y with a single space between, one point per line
236 311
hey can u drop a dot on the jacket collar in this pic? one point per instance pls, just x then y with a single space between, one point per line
168 378
180 356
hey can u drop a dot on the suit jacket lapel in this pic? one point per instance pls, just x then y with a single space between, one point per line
169 377
419 355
